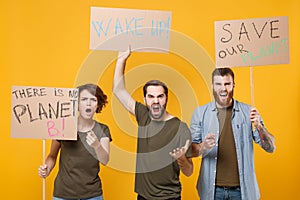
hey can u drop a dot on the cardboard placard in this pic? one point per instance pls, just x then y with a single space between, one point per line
44 113
252 42
144 30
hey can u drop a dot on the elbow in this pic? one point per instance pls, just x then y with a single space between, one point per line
189 173
270 150
115 89
105 161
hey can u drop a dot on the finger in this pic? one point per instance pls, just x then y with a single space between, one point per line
89 140
91 133
129 49
43 166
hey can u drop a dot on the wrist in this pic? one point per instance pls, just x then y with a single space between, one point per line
259 126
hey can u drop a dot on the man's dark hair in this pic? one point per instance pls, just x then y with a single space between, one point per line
155 83
97 92
222 72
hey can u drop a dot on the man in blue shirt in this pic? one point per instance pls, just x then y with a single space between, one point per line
223 132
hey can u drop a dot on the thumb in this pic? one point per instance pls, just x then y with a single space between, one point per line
187 143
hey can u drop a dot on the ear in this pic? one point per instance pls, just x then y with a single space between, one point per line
144 100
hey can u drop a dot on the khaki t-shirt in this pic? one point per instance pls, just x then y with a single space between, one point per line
227 166
79 167
157 173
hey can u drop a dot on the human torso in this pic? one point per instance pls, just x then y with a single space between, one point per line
79 167
157 173
207 121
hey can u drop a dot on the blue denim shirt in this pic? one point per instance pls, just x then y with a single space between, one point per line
204 121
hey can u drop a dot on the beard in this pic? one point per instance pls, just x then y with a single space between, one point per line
154 114
223 102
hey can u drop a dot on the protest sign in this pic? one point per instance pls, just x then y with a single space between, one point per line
252 42
44 113
115 29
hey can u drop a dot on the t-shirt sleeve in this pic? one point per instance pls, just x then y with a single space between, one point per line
141 114
102 130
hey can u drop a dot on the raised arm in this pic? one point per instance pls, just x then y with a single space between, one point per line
45 169
266 138
119 88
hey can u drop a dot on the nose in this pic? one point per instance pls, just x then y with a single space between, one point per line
89 102
223 87
155 100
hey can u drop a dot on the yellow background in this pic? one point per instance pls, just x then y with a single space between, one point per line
46 43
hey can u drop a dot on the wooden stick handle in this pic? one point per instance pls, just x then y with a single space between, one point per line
252 86
44 160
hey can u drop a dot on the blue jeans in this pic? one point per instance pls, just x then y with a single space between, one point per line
93 198
227 193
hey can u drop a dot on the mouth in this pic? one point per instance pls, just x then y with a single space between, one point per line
223 94
88 110
156 108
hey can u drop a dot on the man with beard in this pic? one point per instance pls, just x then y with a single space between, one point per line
223 132
163 140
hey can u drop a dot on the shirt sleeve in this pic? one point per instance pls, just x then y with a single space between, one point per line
141 114
103 131
196 126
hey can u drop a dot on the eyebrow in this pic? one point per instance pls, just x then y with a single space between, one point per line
160 95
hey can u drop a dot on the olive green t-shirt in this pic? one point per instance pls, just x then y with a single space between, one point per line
79 167
227 166
157 173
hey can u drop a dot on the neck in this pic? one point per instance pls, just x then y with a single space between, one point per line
166 116
225 106
84 125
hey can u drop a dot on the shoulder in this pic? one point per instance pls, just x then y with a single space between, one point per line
101 125
175 121
101 130
201 109
139 107
240 105
141 113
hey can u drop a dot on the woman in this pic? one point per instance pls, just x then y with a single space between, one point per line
78 177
